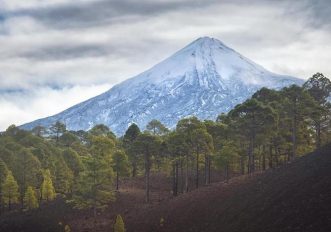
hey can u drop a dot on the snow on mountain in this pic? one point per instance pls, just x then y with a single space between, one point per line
203 79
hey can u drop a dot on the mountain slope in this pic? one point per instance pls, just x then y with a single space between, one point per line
293 198
203 79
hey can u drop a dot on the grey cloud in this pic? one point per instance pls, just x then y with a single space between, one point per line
58 52
62 52
321 10
93 43
103 11
316 13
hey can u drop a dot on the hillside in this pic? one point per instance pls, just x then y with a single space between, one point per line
203 79
292 198
295 197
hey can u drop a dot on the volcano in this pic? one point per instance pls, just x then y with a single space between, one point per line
203 79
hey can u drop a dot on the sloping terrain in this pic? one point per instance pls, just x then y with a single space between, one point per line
292 198
296 197
203 79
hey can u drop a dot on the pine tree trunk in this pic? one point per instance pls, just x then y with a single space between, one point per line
242 165
175 178
94 192
263 158
226 169
182 176
177 175
277 156
270 157
251 156
253 162
197 171
186 174
318 135
134 168
249 165
209 172
294 137
206 169
147 169
0 201
95 215
57 137
23 181
117 177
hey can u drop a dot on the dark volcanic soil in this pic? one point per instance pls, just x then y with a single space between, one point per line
292 198
296 197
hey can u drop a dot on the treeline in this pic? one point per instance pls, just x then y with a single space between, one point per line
84 167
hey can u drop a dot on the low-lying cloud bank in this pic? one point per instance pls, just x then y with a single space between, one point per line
52 47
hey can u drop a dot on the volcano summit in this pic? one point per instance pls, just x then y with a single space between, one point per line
203 79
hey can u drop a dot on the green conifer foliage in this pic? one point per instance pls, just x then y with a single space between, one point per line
64 177
10 190
120 165
3 174
129 139
67 228
119 224
47 188
94 188
30 199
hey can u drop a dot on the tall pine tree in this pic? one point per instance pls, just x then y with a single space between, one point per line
47 188
119 224
10 190
3 174
30 199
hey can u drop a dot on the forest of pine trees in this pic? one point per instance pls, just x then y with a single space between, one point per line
271 128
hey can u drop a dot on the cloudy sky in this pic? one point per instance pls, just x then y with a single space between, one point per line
56 53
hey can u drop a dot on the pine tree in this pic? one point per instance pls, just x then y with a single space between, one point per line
319 87
203 144
67 228
10 190
63 177
225 156
3 174
250 119
27 171
102 130
129 139
58 129
67 139
47 188
177 147
156 127
148 145
298 105
120 165
30 199
119 224
94 188
190 128
73 160
38 131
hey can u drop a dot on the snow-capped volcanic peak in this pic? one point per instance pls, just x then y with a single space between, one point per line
203 79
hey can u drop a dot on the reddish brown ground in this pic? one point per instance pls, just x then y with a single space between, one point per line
292 198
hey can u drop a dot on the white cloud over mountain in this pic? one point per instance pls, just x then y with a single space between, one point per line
59 44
